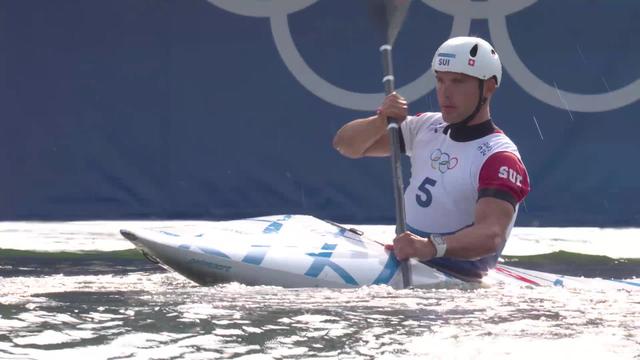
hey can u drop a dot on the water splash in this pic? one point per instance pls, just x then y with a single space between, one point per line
538 127
564 102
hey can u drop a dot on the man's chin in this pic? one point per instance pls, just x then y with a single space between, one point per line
449 119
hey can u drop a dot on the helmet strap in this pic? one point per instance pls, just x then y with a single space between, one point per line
481 101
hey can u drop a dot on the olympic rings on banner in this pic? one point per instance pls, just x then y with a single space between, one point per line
494 11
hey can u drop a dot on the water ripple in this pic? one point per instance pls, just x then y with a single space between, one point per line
161 315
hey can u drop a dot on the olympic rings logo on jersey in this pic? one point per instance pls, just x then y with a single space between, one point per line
463 12
442 161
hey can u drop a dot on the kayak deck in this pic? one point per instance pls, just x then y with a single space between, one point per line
303 251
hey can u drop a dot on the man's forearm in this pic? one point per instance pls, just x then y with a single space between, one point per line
474 242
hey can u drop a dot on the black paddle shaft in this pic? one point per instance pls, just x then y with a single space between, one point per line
393 129
394 135
388 16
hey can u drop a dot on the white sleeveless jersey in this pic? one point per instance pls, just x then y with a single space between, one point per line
443 189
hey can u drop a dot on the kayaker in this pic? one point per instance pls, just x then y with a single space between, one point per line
467 177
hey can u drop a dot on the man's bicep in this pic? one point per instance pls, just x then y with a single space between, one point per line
494 213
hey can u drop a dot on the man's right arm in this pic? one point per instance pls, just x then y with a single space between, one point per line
368 136
363 137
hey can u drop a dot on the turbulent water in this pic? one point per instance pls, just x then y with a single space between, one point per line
110 303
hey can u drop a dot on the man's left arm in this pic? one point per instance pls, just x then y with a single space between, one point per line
492 219
503 183
485 237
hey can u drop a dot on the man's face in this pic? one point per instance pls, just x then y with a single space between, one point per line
457 95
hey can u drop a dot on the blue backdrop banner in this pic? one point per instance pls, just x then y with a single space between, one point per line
218 109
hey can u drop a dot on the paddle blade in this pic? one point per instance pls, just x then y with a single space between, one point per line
388 16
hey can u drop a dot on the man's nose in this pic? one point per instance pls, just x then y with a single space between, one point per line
445 91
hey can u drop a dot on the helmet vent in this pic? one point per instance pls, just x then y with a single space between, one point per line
474 50
493 52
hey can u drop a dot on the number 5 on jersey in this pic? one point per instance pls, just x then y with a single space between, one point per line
424 199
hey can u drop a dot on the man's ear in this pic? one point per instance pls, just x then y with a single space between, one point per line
490 87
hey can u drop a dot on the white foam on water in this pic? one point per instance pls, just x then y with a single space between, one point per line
49 337
234 320
453 345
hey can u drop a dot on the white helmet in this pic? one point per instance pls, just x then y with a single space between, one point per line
468 55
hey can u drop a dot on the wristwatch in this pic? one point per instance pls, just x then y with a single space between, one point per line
439 243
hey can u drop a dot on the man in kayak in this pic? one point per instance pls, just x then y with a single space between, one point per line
467 177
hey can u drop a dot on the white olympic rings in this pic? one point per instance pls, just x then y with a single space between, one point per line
494 11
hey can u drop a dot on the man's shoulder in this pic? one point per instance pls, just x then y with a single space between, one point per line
428 116
495 142
424 120
500 137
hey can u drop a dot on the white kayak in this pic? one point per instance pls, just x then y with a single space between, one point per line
302 251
